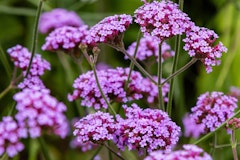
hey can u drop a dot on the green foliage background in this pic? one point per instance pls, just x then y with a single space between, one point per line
16 25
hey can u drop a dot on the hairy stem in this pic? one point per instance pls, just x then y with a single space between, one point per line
174 67
234 145
134 56
159 74
35 35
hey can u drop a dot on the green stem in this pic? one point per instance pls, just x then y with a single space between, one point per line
234 145
4 157
100 88
5 62
159 74
174 67
217 129
44 148
96 153
6 90
35 35
110 149
134 56
109 152
185 67
137 64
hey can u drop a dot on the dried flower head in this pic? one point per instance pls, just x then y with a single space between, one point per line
162 19
199 43
148 129
189 152
57 18
212 109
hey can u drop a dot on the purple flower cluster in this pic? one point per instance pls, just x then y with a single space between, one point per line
96 128
149 47
191 128
162 19
34 83
189 152
10 135
212 109
65 38
199 44
149 129
109 29
21 58
112 82
38 110
58 17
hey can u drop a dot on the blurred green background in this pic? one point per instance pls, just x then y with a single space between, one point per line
16 27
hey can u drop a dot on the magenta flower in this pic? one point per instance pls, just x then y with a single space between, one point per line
149 47
199 44
112 82
10 135
148 129
96 128
57 18
30 82
189 152
212 109
109 30
21 58
65 38
162 19
38 111
191 128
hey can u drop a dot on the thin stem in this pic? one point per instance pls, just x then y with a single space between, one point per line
109 152
234 145
35 35
174 67
110 149
159 74
100 88
211 133
5 62
44 148
134 56
4 157
185 67
137 64
6 90
96 153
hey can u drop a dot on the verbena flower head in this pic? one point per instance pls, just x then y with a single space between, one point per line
148 129
235 92
58 17
65 38
149 47
10 135
112 82
21 58
189 152
109 30
233 124
162 19
97 128
199 43
30 82
212 109
191 128
38 111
